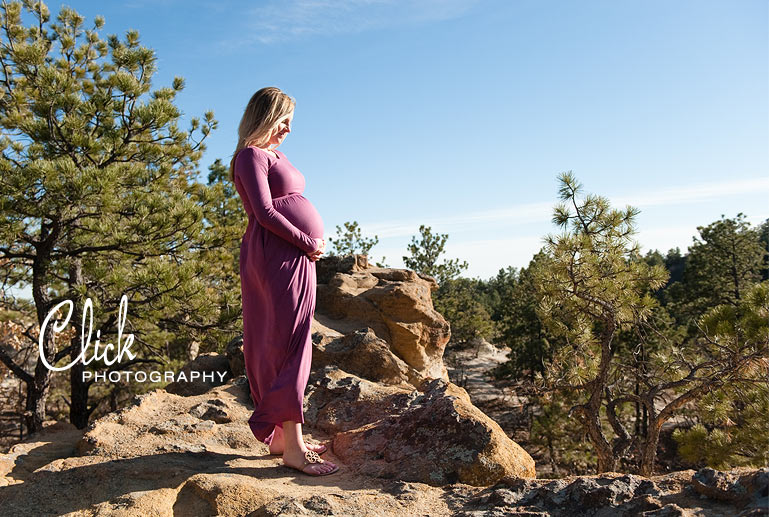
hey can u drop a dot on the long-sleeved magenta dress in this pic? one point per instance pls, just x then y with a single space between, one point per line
278 285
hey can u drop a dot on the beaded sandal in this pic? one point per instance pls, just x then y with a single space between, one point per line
312 457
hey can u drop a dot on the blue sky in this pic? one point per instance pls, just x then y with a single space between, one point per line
459 114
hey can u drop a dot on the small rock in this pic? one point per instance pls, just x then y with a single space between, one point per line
210 411
717 485
504 497
647 486
167 427
319 504
205 425
401 490
670 510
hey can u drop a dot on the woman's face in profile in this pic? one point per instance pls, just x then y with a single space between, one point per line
283 128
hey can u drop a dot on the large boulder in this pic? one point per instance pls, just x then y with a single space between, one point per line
396 304
363 353
435 436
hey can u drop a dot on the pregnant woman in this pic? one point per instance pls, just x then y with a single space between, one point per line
283 240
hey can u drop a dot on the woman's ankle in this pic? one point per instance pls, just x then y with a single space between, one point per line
295 448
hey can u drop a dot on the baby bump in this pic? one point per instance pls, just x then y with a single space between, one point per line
301 213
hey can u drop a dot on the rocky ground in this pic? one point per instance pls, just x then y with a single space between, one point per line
408 441
194 456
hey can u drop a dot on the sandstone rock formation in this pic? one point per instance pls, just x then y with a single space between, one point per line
395 303
408 442
435 436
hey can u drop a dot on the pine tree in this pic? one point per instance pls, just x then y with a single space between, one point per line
98 195
350 240
590 289
732 427
594 287
425 253
763 233
519 325
459 302
722 264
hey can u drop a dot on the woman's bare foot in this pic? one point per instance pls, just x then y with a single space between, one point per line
308 463
277 446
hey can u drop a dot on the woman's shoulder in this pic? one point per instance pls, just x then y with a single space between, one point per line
264 151
255 152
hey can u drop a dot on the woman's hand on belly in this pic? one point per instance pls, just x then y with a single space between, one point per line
315 255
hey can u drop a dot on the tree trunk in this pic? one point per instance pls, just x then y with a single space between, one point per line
113 398
37 390
606 460
553 459
649 449
78 408
592 410
37 393
637 404
735 272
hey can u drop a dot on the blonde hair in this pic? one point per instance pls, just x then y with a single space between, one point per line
264 110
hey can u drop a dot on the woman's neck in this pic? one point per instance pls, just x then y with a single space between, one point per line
273 151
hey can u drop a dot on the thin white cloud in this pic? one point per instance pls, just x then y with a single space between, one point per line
520 214
694 193
276 21
144 4
665 238
542 211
